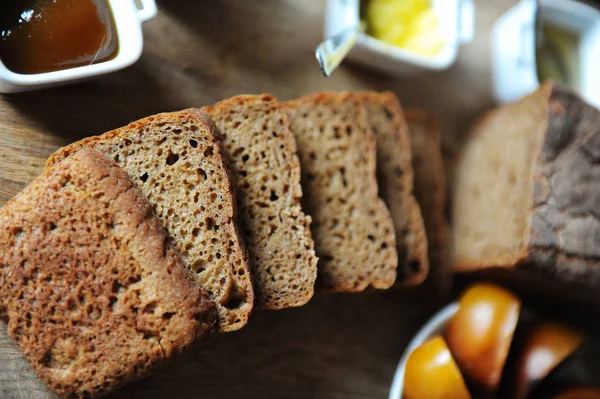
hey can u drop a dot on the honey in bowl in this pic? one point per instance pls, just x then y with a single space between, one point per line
38 36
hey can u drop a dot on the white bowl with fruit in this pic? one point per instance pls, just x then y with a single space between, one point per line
462 352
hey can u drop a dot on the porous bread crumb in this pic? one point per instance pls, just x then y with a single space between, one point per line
395 177
430 191
94 294
352 228
266 173
176 160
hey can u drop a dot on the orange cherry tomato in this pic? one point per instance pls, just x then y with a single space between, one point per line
431 373
480 334
580 393
546 347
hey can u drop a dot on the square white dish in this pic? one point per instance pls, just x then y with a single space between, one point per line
128 22
514 51
457 19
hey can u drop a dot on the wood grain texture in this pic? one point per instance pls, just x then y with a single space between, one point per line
199 52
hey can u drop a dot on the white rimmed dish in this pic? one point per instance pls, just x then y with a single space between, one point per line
457 20
128 23
514 47
434 327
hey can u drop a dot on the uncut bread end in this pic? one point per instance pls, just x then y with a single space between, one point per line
352 228
527 191
176 160
94 294
266 172
395 177
430 191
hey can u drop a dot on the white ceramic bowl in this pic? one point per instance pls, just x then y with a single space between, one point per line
128 22
434 327
513 47
457 19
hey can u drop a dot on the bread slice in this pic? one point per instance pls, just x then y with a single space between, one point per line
395 177
94 294
352 228
176 160
266 173
527 189
430 191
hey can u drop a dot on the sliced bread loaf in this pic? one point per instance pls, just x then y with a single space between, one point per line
527 190
266 173
395 178
176 160
94 294
430 191
352 228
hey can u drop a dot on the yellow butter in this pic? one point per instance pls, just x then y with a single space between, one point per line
409 24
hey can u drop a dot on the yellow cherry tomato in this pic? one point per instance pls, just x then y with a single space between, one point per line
480 334
431 373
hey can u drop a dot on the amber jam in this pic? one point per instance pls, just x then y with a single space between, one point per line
39 36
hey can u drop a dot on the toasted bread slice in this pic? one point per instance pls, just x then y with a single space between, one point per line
266 173
94 294
395 177
430 191
352 228
176 160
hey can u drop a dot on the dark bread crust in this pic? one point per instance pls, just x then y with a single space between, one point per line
352 227
266 171
395 177
94 294
430 191
564 240
176 161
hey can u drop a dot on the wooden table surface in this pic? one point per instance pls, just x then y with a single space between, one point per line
198 52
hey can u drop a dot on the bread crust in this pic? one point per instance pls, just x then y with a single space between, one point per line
352 227
262 154
176 160
94 294
564 236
